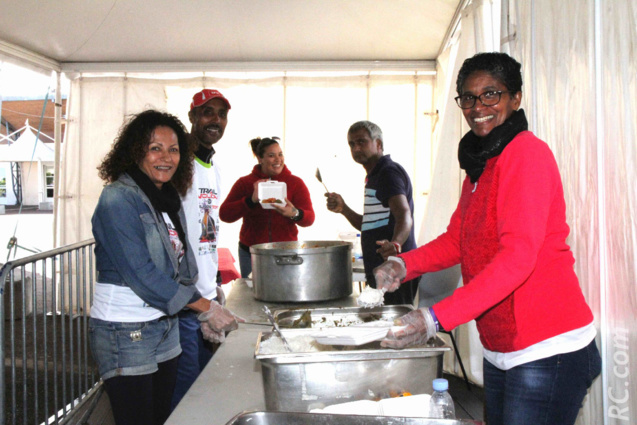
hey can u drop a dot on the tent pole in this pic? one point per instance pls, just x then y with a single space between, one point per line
601 206
56 167
534 125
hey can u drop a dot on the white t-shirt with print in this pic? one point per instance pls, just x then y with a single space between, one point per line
201 205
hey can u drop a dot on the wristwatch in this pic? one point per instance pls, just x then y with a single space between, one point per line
297 215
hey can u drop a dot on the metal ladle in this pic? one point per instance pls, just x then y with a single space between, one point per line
319 178
276 327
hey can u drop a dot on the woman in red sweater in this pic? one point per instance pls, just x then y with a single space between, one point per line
266 225
509 235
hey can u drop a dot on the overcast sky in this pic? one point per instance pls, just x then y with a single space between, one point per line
17 82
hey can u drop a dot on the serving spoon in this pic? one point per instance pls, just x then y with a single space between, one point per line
319 178
277 331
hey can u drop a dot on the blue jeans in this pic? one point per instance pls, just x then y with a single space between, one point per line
245 262
195 354
548 391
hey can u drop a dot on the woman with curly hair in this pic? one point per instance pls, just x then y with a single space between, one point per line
145 268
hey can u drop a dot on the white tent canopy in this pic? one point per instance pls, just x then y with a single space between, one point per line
580 94
25 148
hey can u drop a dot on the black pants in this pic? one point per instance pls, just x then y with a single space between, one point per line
143 399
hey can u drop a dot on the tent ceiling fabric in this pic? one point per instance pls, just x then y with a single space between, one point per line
71 31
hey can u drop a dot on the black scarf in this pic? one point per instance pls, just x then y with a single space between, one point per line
164 200
474 151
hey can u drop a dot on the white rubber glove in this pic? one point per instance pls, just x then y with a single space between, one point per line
419 327
221 296
211 335
220 318
389 274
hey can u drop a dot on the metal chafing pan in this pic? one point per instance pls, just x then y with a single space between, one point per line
297 418
299 382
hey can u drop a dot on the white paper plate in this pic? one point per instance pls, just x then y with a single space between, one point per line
352 335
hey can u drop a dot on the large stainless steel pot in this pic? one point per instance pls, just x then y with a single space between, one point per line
301 271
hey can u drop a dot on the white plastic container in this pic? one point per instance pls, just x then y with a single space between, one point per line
357 250
270 191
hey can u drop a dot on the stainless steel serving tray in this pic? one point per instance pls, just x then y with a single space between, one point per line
435 347
302 381
341 316
298 418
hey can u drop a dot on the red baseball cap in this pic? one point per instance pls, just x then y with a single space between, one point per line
204 96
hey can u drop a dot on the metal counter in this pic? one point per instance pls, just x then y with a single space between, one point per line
232 383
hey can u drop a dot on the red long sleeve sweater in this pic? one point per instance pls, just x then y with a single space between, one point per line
509 235
264 225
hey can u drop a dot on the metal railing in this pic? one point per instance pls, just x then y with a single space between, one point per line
44 308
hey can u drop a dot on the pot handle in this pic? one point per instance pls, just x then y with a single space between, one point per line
288 260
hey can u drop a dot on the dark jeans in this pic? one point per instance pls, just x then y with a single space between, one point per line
142 399
196 352
544 392
245 262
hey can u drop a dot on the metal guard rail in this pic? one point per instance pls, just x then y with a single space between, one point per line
44 308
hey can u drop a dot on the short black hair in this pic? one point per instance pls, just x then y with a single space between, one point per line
500 65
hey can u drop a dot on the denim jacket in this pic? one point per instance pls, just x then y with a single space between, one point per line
132 248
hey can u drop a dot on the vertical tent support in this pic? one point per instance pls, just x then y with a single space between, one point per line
601 205
57 135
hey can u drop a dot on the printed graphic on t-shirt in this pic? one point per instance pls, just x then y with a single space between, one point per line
176 243
208 228
208 210
375 215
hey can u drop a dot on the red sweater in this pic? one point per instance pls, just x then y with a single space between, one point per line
509 235
264 225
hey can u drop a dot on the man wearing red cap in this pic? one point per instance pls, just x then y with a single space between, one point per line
208 116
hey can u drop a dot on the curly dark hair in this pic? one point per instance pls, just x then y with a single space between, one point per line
499 65
259 145
131 145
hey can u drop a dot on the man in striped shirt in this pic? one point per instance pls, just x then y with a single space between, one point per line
386 224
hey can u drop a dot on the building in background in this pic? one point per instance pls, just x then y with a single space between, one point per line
26 168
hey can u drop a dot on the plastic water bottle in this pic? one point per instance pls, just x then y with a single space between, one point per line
357 250
441 404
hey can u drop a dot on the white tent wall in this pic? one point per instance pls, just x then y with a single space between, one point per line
580 65
311 115
617 155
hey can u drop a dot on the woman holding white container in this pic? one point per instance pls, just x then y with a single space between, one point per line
270 219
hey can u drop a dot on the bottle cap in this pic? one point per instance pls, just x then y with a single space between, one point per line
440 384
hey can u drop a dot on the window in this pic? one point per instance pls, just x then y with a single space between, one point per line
3 183
49 177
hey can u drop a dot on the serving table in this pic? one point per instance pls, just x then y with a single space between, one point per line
231 382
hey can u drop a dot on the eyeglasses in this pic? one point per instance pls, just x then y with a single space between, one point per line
488 98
